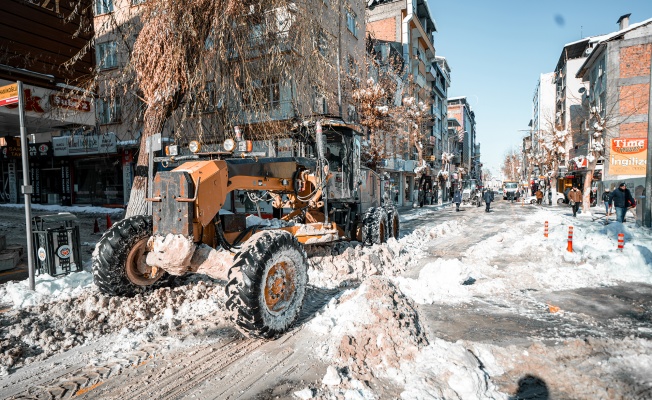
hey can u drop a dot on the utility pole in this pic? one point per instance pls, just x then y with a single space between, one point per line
647 204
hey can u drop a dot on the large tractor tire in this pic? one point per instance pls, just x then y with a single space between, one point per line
393 223
119 267
267 284
375 226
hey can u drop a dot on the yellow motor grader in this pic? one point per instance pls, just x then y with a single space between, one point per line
195 226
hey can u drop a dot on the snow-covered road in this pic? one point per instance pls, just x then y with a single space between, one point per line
467 305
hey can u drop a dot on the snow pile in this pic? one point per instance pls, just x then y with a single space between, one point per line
253 220
346 264
445 370
47 289
370 330
34 333
440 281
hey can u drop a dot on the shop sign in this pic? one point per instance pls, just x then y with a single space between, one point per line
628 157
8 94
66 194
70 103
13 148
40 150
85 144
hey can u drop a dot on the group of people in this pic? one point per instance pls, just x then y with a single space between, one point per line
621 199
487 197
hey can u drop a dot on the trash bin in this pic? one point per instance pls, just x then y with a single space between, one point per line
57 248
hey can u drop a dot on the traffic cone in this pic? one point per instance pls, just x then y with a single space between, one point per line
545 229
570 239
96 227
108 221
621 241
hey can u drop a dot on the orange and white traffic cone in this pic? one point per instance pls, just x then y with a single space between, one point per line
108 221
545 229
96 227
621 241
570 239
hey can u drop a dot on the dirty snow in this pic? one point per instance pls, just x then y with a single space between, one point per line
372 330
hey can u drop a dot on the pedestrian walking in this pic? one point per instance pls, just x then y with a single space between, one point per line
539 196
488 197
457 199
605 200
575 199
622 200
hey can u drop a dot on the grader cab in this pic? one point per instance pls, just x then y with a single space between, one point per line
321 195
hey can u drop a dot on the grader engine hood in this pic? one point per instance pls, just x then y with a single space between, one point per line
195 190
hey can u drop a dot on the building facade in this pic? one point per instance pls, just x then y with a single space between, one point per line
46 45
617 75
408 25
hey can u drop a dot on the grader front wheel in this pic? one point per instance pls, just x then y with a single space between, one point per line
119 266
267 284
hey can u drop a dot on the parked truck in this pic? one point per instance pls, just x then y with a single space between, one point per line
265 267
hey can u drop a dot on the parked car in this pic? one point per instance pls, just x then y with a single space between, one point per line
558 198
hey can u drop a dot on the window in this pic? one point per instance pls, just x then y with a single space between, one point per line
108 111
103 6
322 43
265 93
350 22
137 2
106 55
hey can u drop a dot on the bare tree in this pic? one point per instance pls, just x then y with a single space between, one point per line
512 164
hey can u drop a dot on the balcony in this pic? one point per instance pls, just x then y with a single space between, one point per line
430 73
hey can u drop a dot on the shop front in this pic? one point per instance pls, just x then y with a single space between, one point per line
95 173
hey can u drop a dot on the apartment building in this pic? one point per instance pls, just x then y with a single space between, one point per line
45 45
461 118
408 25
617 75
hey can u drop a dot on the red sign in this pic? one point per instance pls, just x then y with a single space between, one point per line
70 103
32 103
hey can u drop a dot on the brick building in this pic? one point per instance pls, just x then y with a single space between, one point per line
408 25
617 73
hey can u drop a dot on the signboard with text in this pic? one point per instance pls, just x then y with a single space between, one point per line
8 94
85 144
628 156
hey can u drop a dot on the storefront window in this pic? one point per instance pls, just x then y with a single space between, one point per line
98 181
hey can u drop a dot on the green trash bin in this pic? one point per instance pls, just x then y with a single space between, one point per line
57 247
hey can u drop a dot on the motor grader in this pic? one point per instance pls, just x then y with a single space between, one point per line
195 226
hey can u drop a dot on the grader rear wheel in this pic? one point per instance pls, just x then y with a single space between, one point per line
267 284
375 226
393 223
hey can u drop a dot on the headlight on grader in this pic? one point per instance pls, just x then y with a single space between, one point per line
229 145
194 146
172 150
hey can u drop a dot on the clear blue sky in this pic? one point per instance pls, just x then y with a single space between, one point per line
497 48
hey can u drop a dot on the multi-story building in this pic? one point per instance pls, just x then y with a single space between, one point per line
441 79
617 72
45 45
570 113
409 25
460 110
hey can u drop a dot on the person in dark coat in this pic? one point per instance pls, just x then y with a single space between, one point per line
605 200
457 199
488 197
622 200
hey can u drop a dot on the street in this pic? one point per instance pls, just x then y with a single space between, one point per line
468 305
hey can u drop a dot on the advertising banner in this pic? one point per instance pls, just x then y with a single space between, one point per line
628 157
